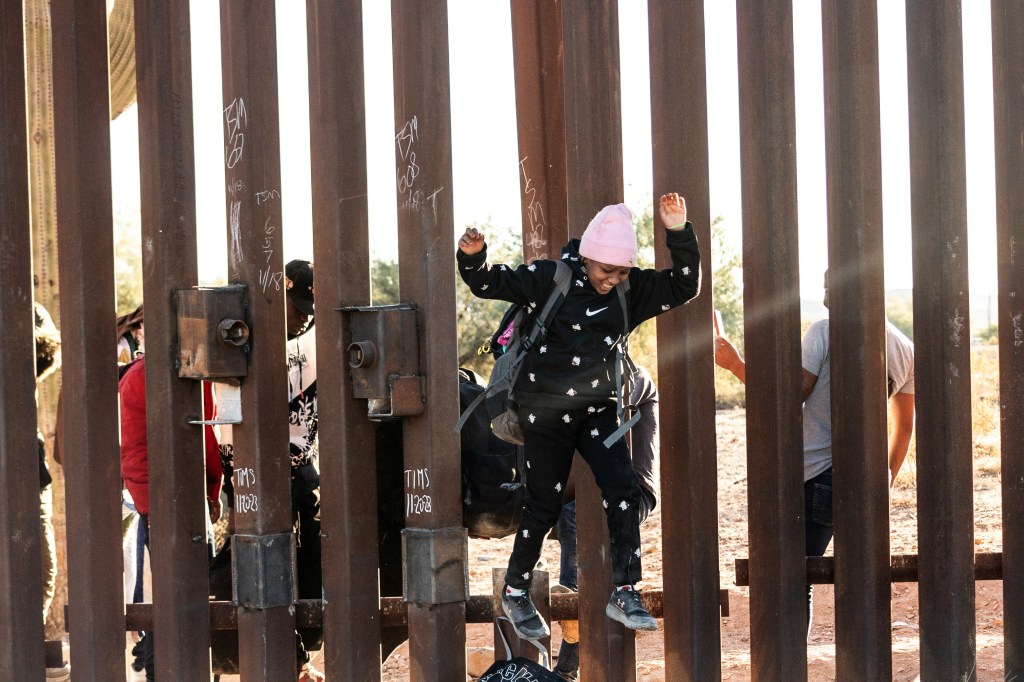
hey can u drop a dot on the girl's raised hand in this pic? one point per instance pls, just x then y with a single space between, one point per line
672 210
471 242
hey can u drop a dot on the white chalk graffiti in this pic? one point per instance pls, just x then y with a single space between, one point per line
411 198
234 223
245 502
266 195
534 239
416 503
266 277
235 120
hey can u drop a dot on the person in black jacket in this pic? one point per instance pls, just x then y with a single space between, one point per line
567 391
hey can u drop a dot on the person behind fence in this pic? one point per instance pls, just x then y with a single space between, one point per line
568 393
131 338
130 334
817 420
47 349
303 446
644 451
303 451
135 469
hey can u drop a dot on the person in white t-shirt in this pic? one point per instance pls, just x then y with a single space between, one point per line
303 451
303 447
817 419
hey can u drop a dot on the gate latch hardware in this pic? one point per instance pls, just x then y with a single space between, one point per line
213 335
213 343
383 356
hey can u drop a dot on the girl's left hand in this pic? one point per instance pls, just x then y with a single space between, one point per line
672 210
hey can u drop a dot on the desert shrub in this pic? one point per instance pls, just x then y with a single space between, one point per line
985 407
899 308
989 334
984 419
907 478
730 393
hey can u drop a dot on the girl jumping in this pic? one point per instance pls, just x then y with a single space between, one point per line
567 390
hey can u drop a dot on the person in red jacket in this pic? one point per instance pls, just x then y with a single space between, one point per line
135 465
134 451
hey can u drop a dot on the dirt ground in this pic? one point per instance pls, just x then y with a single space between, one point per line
732 499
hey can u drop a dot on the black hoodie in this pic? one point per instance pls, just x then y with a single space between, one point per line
575 364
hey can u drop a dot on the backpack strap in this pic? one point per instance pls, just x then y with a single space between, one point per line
621 288
563 273
561 281
621 407
469 410
623 380
546 661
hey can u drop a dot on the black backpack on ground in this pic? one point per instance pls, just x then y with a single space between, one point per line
493 470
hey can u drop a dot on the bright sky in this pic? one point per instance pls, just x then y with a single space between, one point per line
485 158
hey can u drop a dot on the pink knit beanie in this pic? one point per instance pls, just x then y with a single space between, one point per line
610 238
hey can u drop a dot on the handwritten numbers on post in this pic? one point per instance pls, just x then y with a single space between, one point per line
266 277
235 121
245 502
416 502
408 170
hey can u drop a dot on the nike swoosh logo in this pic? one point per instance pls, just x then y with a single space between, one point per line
595 312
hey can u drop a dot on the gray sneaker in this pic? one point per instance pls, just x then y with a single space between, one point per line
525 620
625 606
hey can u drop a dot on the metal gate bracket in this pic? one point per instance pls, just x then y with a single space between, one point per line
383 359
263 570
213 333
436 562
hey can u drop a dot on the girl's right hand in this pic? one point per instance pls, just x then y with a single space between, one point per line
471 242
672 209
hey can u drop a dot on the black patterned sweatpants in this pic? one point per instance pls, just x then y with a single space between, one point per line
551 437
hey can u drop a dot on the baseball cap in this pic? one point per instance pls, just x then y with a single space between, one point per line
299 284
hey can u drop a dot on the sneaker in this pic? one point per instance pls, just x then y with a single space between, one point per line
525 620
143 653
568 667
625 606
